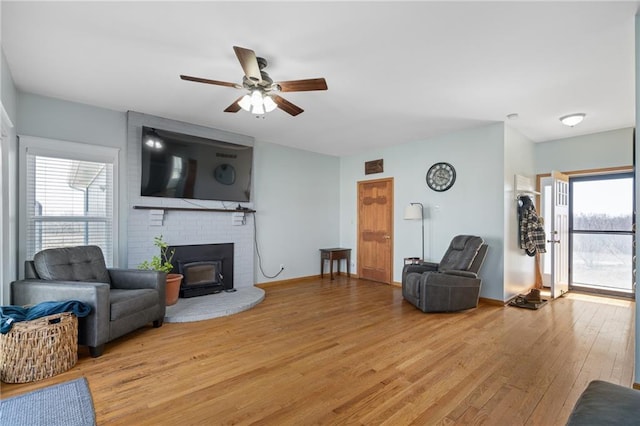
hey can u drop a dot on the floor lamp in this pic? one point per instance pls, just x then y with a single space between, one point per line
415 211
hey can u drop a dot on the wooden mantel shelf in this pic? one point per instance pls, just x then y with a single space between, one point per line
195 209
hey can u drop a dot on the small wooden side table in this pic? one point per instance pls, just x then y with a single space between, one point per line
337 254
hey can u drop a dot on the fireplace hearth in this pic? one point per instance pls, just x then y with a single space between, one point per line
206 268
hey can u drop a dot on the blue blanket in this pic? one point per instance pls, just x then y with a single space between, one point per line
10 314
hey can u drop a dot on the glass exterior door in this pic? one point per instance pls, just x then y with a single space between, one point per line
601 232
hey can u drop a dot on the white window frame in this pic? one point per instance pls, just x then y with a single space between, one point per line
68 150
7 208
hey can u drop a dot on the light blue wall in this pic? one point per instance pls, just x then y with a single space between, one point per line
474 205
519 268
637 144
295 192
8 186
297 203
8 90
613 148
70 121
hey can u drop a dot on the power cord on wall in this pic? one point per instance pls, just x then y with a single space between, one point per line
255 241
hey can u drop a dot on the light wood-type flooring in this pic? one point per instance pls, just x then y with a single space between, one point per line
350 351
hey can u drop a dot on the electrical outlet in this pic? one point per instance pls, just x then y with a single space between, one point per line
281 266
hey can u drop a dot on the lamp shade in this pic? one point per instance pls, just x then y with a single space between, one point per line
269 104
257 109
245 103
256 98
413 212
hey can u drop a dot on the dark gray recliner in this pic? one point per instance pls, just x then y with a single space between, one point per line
122 300
605 403
451 285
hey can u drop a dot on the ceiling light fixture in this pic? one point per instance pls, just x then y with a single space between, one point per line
572 119
257 103
245 103
269 104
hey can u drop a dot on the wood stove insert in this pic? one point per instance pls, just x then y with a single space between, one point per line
207 268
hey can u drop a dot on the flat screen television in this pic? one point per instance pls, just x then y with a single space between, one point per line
176 165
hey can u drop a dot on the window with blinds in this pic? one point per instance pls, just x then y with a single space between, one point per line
69 202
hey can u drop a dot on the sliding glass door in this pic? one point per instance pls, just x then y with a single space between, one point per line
601 232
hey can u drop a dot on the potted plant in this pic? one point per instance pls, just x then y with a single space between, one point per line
162 263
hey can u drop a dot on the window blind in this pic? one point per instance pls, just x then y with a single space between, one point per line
69 202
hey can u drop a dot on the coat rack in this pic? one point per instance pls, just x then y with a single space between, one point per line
522 186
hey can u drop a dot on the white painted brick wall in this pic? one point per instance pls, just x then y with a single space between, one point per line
193 227
182 227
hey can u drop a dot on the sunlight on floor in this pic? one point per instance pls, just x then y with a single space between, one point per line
614 301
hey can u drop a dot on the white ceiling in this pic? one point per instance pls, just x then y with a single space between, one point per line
396 71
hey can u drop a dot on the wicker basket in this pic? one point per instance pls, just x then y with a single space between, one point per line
37 349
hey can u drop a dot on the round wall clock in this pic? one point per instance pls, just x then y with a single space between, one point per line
441 176
225 174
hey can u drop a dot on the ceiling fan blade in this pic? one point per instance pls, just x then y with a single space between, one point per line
235 106
247 58
207 81
303 85
287 106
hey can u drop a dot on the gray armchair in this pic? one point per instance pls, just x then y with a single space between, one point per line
122 300
451 285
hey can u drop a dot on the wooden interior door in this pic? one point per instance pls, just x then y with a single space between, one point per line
375 230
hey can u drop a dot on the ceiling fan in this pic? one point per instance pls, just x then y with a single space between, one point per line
262 96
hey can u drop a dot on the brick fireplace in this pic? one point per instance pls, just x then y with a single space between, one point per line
183 222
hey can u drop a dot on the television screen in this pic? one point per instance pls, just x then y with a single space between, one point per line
176 165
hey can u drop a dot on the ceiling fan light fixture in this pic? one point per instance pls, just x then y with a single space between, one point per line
258 109
269 104
256 98
572 119
260 86
245 103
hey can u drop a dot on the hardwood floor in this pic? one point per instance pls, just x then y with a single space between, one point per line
353 352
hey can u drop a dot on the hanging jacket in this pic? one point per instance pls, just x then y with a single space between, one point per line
532 235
